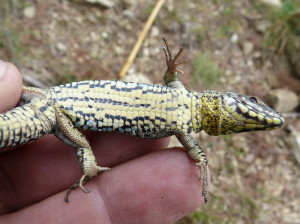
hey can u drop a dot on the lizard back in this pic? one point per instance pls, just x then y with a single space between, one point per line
134 108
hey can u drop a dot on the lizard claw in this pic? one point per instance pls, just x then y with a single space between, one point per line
79 183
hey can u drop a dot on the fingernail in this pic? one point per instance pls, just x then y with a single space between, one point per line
3 67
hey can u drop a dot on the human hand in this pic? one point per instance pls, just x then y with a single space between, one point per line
146 184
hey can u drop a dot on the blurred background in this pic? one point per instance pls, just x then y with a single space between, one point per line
247 46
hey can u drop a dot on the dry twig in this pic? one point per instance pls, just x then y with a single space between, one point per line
141 38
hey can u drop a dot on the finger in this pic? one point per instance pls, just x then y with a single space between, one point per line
160 187
10 86
120 148
40 169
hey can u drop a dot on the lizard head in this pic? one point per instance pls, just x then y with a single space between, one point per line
227 112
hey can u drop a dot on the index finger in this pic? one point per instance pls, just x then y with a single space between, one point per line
40 169
160 187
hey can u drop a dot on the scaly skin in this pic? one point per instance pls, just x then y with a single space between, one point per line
142 110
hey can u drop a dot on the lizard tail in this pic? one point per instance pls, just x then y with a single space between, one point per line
27 123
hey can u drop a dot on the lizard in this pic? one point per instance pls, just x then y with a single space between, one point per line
143 110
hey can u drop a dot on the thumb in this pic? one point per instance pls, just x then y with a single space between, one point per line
10 86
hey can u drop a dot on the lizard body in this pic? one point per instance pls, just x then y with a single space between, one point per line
142 110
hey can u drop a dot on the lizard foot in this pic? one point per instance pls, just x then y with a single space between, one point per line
84 178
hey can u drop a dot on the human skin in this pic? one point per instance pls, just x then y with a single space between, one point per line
146 184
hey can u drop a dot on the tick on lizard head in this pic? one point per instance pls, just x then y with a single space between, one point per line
161 111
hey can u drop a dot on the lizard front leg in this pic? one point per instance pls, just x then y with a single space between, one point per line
171 79
66 132
196 154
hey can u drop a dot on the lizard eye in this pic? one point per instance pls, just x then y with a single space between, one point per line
253 99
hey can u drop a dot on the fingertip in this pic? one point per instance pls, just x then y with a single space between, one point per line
10 85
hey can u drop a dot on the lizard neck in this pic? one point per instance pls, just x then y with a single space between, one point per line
206 112
195 112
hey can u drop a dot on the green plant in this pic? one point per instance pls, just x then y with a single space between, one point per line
285 25
206 217
205 69
10 44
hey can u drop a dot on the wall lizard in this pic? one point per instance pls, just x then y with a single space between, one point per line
142 110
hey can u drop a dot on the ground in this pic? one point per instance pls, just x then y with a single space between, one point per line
255 176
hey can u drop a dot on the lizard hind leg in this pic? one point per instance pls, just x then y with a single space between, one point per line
66 132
